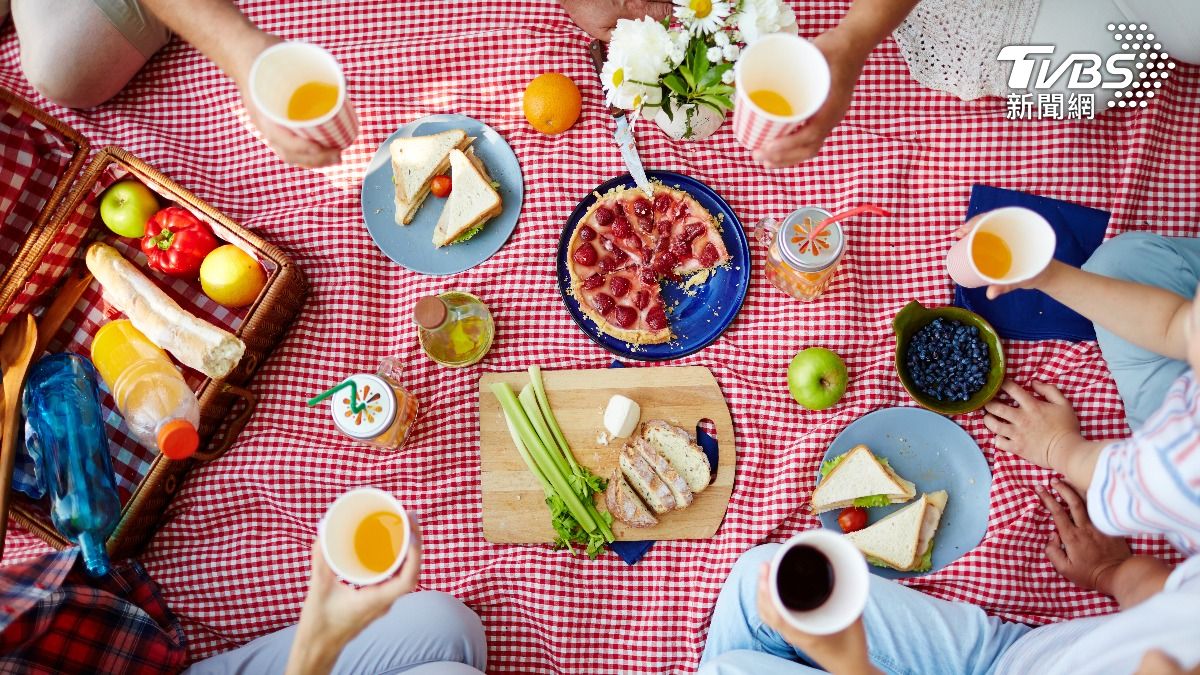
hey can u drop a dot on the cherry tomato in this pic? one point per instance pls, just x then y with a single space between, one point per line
440 187
852 519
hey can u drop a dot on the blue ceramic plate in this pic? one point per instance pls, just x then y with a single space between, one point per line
411 246
935 454
696 320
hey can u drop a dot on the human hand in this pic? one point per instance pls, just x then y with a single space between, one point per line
996 290
1034 429
290 147
1077 549
599 17
846 59
1158 662
334 613
843 653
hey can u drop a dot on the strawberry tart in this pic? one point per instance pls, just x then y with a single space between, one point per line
627 243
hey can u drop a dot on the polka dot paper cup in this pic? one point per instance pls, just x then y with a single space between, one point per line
283 69
778 66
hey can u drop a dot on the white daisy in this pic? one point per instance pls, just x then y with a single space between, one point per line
702 17
763 17
639 54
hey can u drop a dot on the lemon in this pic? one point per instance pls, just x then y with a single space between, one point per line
231 277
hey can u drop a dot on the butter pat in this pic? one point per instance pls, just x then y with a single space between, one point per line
622 416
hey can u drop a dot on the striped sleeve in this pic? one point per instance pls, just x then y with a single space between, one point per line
1150 483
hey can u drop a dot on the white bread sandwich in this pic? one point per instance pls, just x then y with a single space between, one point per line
904 539
415 162
195 342
472 201
859 478
624 503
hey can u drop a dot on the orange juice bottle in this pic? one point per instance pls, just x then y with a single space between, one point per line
159 407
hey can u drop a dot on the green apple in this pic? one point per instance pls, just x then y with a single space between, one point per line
817 378
126 207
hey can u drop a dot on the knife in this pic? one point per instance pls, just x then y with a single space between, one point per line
624 135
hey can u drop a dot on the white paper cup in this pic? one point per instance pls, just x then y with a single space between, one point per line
1029 237
789 65
337 529
851 583
276 74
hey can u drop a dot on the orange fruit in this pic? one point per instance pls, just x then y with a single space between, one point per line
552 103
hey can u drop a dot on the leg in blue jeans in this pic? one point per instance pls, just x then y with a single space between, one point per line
425 632
907 631
1172 263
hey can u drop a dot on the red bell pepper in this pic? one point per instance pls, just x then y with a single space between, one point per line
176 242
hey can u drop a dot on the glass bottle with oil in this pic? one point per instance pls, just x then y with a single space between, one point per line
455 328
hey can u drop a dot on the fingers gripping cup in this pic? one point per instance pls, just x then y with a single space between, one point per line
365 536
819 582
300 86
781 80
1004 246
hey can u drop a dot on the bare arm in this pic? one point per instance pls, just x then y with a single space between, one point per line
1134 580
219 30
1148 316
846 47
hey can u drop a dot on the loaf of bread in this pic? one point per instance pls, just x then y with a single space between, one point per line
659 470
193 341
624 504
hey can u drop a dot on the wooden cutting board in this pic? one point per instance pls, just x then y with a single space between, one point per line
514 510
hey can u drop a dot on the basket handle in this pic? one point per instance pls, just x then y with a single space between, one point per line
235 427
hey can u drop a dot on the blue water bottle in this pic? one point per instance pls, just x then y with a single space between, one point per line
65 435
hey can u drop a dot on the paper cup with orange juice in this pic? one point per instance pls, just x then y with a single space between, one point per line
365 536
302 87
1004 246
781 81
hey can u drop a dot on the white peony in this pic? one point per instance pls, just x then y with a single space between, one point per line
639 53
763 17
728 76
722 39
702 17
713 54
731 52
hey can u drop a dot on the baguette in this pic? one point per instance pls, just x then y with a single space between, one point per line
195 342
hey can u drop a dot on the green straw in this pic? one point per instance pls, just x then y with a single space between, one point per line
355 406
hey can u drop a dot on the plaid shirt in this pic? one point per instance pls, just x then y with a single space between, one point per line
56 619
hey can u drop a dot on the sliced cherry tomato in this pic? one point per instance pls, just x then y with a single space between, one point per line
852 519
440 187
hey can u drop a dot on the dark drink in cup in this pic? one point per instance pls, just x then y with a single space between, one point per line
819 582
805 579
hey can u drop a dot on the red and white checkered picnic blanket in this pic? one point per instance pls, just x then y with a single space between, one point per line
233 554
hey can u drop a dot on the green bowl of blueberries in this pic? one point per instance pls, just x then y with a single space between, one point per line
949 359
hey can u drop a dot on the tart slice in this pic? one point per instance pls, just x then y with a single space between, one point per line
688 237
626 304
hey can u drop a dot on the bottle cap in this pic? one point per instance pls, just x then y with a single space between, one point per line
807 253
429 312
178 439
371 414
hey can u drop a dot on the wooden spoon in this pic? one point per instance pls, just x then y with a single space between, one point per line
16 351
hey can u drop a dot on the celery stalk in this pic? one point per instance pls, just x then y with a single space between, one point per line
524 453
528 400
539 389
541 455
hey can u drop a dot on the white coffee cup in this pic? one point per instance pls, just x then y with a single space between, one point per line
281 69
337 531
1029 237
851 583
789 66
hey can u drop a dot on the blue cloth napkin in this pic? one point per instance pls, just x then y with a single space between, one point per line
632 551
1028 314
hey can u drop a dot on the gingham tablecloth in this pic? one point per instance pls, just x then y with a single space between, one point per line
233 554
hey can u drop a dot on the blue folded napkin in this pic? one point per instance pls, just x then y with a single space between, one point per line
632 551
1028 314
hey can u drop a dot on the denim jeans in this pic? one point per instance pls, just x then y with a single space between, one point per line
907 631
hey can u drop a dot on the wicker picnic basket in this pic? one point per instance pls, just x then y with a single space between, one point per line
49 248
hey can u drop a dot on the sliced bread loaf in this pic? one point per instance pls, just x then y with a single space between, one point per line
624 504
647 484
680 449
667 473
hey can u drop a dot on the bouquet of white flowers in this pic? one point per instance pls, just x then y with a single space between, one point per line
682 64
